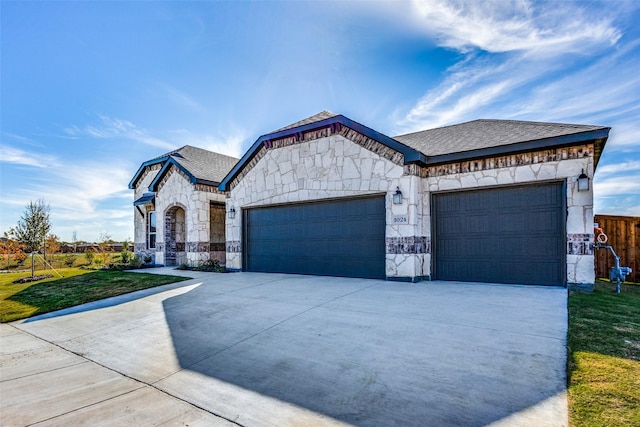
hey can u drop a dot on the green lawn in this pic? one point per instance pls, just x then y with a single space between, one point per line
78 286
604 357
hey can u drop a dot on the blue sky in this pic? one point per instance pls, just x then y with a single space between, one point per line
89 90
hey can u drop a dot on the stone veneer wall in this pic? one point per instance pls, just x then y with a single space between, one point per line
551 165
175 189
325 164
330 167
174 236
140 221
217 239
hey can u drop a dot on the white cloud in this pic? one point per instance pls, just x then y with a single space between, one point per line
456 99
180 98
91 195
504 26
606 88
230 143
596 86
616 189
544 61
110 128
21 157
625 135
476 88
619 185
624 168
623 206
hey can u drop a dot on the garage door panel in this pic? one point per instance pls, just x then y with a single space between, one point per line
501 235
338 238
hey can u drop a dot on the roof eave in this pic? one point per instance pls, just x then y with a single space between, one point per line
206 182
165 168
533 145
136 176
411 155
146 199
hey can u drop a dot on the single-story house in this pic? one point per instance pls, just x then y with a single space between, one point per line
501 201
179 214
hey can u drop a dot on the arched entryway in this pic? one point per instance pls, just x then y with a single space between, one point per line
175 233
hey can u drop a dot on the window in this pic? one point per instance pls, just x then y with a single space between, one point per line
151 235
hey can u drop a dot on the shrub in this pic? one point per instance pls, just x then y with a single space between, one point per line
147 259
118 267
89 255
136 261
33 279
126 256
69 260
19 257
210 265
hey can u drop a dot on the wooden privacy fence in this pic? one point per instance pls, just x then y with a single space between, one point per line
624 237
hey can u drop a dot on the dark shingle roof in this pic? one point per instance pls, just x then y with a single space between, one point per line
315 118
203 164
483 134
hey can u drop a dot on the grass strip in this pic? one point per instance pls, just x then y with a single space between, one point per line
78 286
604 356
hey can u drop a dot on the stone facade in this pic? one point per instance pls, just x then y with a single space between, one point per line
190 219
339 162
217 238
565 167
329 167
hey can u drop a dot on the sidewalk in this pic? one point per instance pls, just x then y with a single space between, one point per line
43 384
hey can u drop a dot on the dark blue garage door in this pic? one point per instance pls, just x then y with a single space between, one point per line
331 238
501 235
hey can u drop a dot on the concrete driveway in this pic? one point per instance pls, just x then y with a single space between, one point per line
272 349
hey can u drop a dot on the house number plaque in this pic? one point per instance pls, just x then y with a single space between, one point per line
400 219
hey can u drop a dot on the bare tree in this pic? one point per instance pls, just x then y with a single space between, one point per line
74 237
33 227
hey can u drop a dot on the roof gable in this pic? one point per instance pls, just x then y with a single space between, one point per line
322 120
312 119
199 165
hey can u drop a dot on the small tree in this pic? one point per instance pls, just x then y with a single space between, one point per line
89 254
11 248
104 245
69 260
52 244
33 227
74 238
126 256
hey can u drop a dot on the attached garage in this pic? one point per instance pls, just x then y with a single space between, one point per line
502 201
328 238
501 235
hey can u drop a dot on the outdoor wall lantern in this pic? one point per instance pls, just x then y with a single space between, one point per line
397 197
583 182
232 213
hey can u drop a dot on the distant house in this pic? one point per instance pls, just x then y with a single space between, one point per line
179 213
83 247
500 201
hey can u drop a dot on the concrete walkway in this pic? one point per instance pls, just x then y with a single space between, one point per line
43 384
273 349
